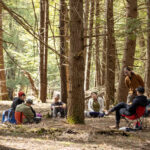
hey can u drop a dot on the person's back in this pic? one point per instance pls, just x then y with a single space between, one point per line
27 112
18 100
138 101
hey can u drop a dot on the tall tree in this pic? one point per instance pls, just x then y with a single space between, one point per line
63 50
90 44
44 20
3 88
97 32
130 45
110 55
103 62
76 64
147 80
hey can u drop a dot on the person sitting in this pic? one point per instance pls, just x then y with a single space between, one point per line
95 106
128 110
26 110
18 100
58 107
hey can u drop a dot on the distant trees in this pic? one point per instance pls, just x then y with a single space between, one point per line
3 89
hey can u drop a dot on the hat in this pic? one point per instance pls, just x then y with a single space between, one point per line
29 101
21 94
140 89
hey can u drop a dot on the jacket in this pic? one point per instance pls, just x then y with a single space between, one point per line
138 101
100 101
27 112
133 82
16 102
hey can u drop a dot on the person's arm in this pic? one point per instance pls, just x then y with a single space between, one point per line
141 82
90 105
101 102
33 112
133 106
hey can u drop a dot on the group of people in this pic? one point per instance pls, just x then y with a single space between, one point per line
135 98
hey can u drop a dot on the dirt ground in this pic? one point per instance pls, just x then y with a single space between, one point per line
57 134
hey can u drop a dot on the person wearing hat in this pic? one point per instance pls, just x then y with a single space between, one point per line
18 100
128 110
132 81
26 110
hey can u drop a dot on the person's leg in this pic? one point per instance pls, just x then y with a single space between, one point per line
62 112
55 110
118 107
94 114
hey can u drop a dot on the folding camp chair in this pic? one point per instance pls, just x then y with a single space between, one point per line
138 116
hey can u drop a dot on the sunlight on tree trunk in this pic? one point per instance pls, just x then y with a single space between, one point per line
90 44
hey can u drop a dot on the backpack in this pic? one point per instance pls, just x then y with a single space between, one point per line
9 116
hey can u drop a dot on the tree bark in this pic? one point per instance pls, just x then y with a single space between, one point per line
3 88
130 46
44 20
103 62
110 56
86 27
63 71
147 80
76 64
97 32
90 44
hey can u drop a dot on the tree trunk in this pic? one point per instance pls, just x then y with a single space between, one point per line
130 45
86 26
63 71
3 88
97 32
44 20
147 80
103 62
90 44
76 64
110 56
45 46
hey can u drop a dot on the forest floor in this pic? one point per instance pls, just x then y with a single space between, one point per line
57 134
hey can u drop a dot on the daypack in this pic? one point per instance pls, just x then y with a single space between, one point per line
9 116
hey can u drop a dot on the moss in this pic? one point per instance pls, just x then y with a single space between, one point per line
75 120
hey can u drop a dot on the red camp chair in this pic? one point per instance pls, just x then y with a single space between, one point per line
140 111
19 116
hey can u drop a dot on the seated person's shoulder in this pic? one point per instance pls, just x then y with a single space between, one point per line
100 98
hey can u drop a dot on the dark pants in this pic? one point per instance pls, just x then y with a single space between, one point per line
96 114
57 110
121 109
